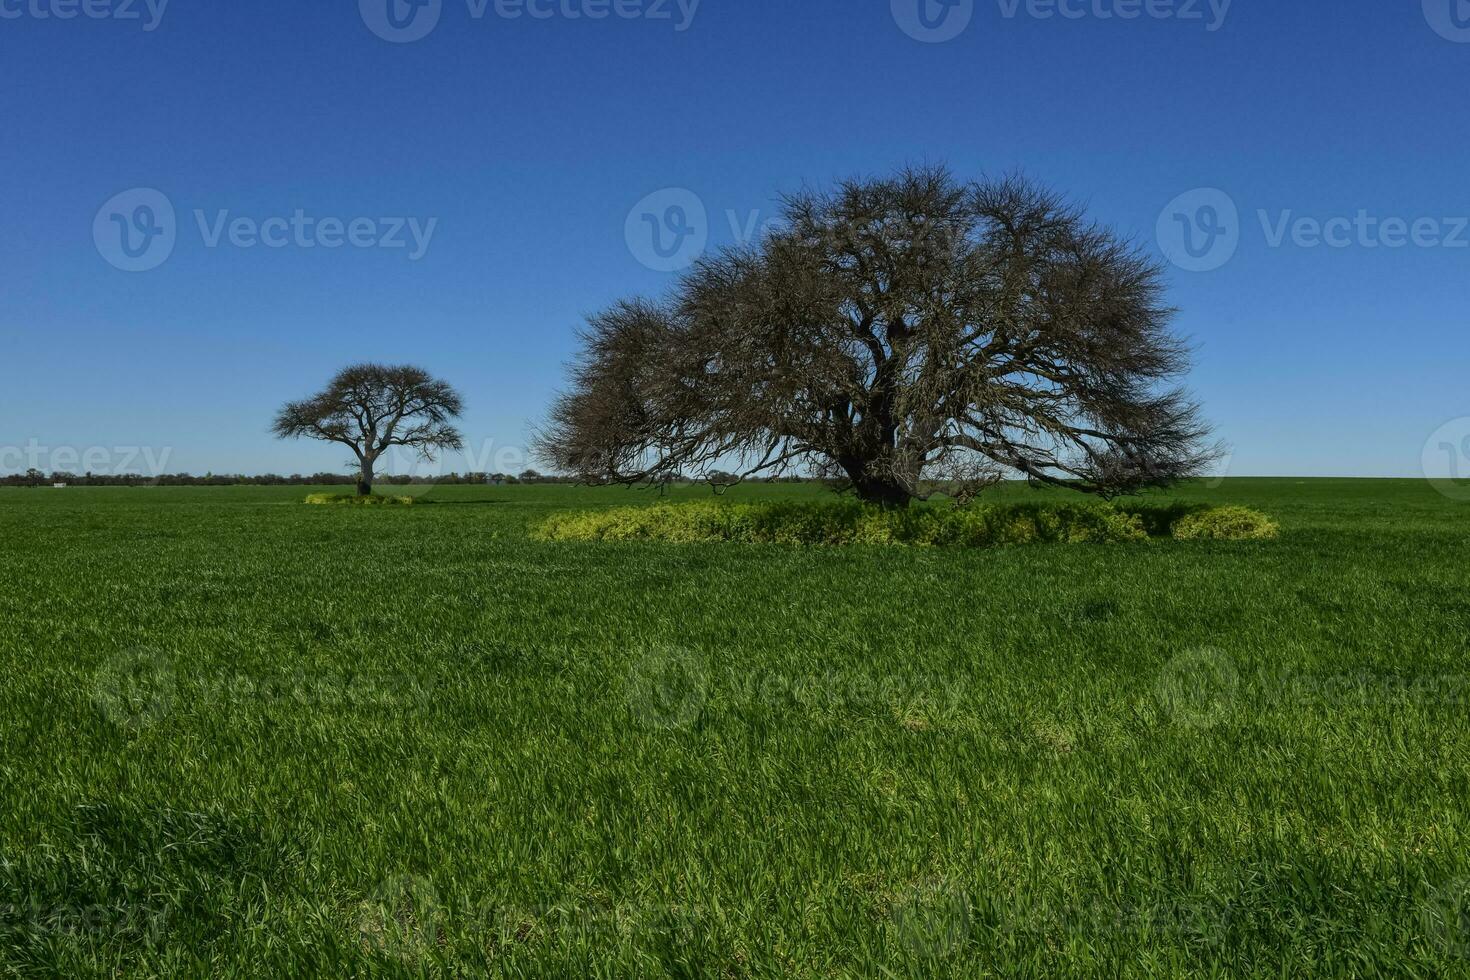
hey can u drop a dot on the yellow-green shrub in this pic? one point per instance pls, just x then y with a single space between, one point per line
353 500
1225 524
847 522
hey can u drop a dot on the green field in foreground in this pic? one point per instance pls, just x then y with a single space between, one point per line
244 736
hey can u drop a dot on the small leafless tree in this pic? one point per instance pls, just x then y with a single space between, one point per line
906 334
371 408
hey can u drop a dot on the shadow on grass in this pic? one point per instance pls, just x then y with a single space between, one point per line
461 503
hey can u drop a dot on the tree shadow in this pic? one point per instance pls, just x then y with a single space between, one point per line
460 503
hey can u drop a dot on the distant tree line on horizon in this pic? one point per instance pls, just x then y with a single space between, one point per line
36 478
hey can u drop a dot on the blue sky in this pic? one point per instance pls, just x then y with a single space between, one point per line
518 145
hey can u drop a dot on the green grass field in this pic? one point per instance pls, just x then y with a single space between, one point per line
241 736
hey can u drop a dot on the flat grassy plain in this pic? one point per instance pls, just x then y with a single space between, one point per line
241 736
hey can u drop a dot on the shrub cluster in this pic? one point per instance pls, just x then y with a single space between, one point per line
1225 524
353 500
853 523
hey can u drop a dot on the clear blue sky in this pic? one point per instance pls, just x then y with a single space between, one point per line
529 139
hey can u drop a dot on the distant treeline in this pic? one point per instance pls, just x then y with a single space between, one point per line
35 478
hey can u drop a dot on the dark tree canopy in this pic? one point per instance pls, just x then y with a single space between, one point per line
371 408
902 334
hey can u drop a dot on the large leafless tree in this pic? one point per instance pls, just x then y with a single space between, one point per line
372 408
902 334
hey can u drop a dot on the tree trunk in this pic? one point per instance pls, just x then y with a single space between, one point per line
884 493
881 487
365 479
